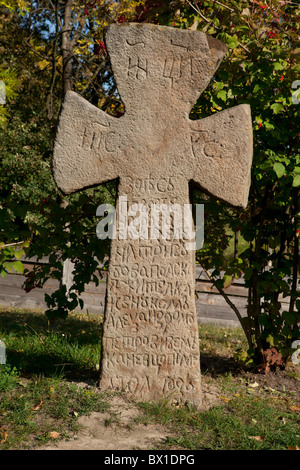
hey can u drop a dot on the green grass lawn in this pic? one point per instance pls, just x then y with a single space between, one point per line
40 399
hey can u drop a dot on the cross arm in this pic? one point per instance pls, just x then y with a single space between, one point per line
222 151
87 145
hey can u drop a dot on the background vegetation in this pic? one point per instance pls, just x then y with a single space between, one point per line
48 384
50 46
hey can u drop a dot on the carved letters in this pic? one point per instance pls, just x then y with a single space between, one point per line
176 68
140 186
150 318
99 137
137 68
179 65
207 145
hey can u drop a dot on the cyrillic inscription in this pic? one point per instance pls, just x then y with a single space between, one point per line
98 137
137 68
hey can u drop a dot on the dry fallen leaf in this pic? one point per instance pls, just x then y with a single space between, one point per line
295 408
256 438
4 437
54 434
23 383
39 406
254 385
226 399
293 448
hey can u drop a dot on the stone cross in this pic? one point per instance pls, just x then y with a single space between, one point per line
150 345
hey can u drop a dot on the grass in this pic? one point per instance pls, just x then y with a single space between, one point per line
71 346
40 399
243 423
38 391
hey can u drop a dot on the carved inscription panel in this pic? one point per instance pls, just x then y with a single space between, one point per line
159 57
150 340
173 67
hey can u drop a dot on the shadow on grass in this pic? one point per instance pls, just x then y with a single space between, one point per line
214 365
50 365
68 348
71 347
29 323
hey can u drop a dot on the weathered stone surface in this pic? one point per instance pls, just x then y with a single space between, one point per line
150 340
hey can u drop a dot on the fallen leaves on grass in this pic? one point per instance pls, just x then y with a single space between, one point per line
226 399
281 418
39 406
272 361
254 385
256 438
295 408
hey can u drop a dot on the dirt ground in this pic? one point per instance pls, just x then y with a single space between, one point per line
119 428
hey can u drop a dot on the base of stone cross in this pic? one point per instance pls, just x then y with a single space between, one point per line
154 366
184 390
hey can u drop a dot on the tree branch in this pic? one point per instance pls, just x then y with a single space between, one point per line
67 47
211 22
199 12
231 304
224 6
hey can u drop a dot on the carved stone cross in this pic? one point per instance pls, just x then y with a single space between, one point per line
150 344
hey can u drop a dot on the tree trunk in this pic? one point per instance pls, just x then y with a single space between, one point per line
67 47
295 252
236 244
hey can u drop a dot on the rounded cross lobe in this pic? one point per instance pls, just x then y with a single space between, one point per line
154 64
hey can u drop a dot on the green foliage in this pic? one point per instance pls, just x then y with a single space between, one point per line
32 218
260 68
8 377
10 80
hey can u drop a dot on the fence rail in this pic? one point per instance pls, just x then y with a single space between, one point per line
210 305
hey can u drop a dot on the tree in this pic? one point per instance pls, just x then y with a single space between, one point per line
52 47
55 46
260 69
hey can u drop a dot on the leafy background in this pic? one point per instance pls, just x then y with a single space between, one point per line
48 47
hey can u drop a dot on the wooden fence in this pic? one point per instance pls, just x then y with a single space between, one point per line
210 305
